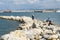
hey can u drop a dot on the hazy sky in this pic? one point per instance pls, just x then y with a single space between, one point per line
29 4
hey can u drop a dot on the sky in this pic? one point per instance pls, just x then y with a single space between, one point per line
29 4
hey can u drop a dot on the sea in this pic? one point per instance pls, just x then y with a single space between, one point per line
7 26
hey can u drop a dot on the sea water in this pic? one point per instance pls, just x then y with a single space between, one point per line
8 25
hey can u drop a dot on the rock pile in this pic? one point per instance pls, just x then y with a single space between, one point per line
32 30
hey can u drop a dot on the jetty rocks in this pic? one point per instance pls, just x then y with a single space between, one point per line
30 29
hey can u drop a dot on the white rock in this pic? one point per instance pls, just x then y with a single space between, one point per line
28 32
53 36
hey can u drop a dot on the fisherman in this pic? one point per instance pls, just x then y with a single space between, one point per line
32 17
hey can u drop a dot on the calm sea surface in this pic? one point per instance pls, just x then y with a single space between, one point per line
8 25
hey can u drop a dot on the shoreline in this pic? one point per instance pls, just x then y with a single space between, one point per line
42 11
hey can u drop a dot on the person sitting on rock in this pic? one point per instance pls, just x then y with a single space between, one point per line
48 22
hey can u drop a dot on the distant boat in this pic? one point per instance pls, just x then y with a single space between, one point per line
7 11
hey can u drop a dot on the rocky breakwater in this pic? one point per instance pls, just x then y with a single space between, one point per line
31 30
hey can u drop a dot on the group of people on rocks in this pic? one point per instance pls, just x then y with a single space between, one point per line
47 20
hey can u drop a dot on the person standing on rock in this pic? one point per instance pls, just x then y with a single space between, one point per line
32 17
33 25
